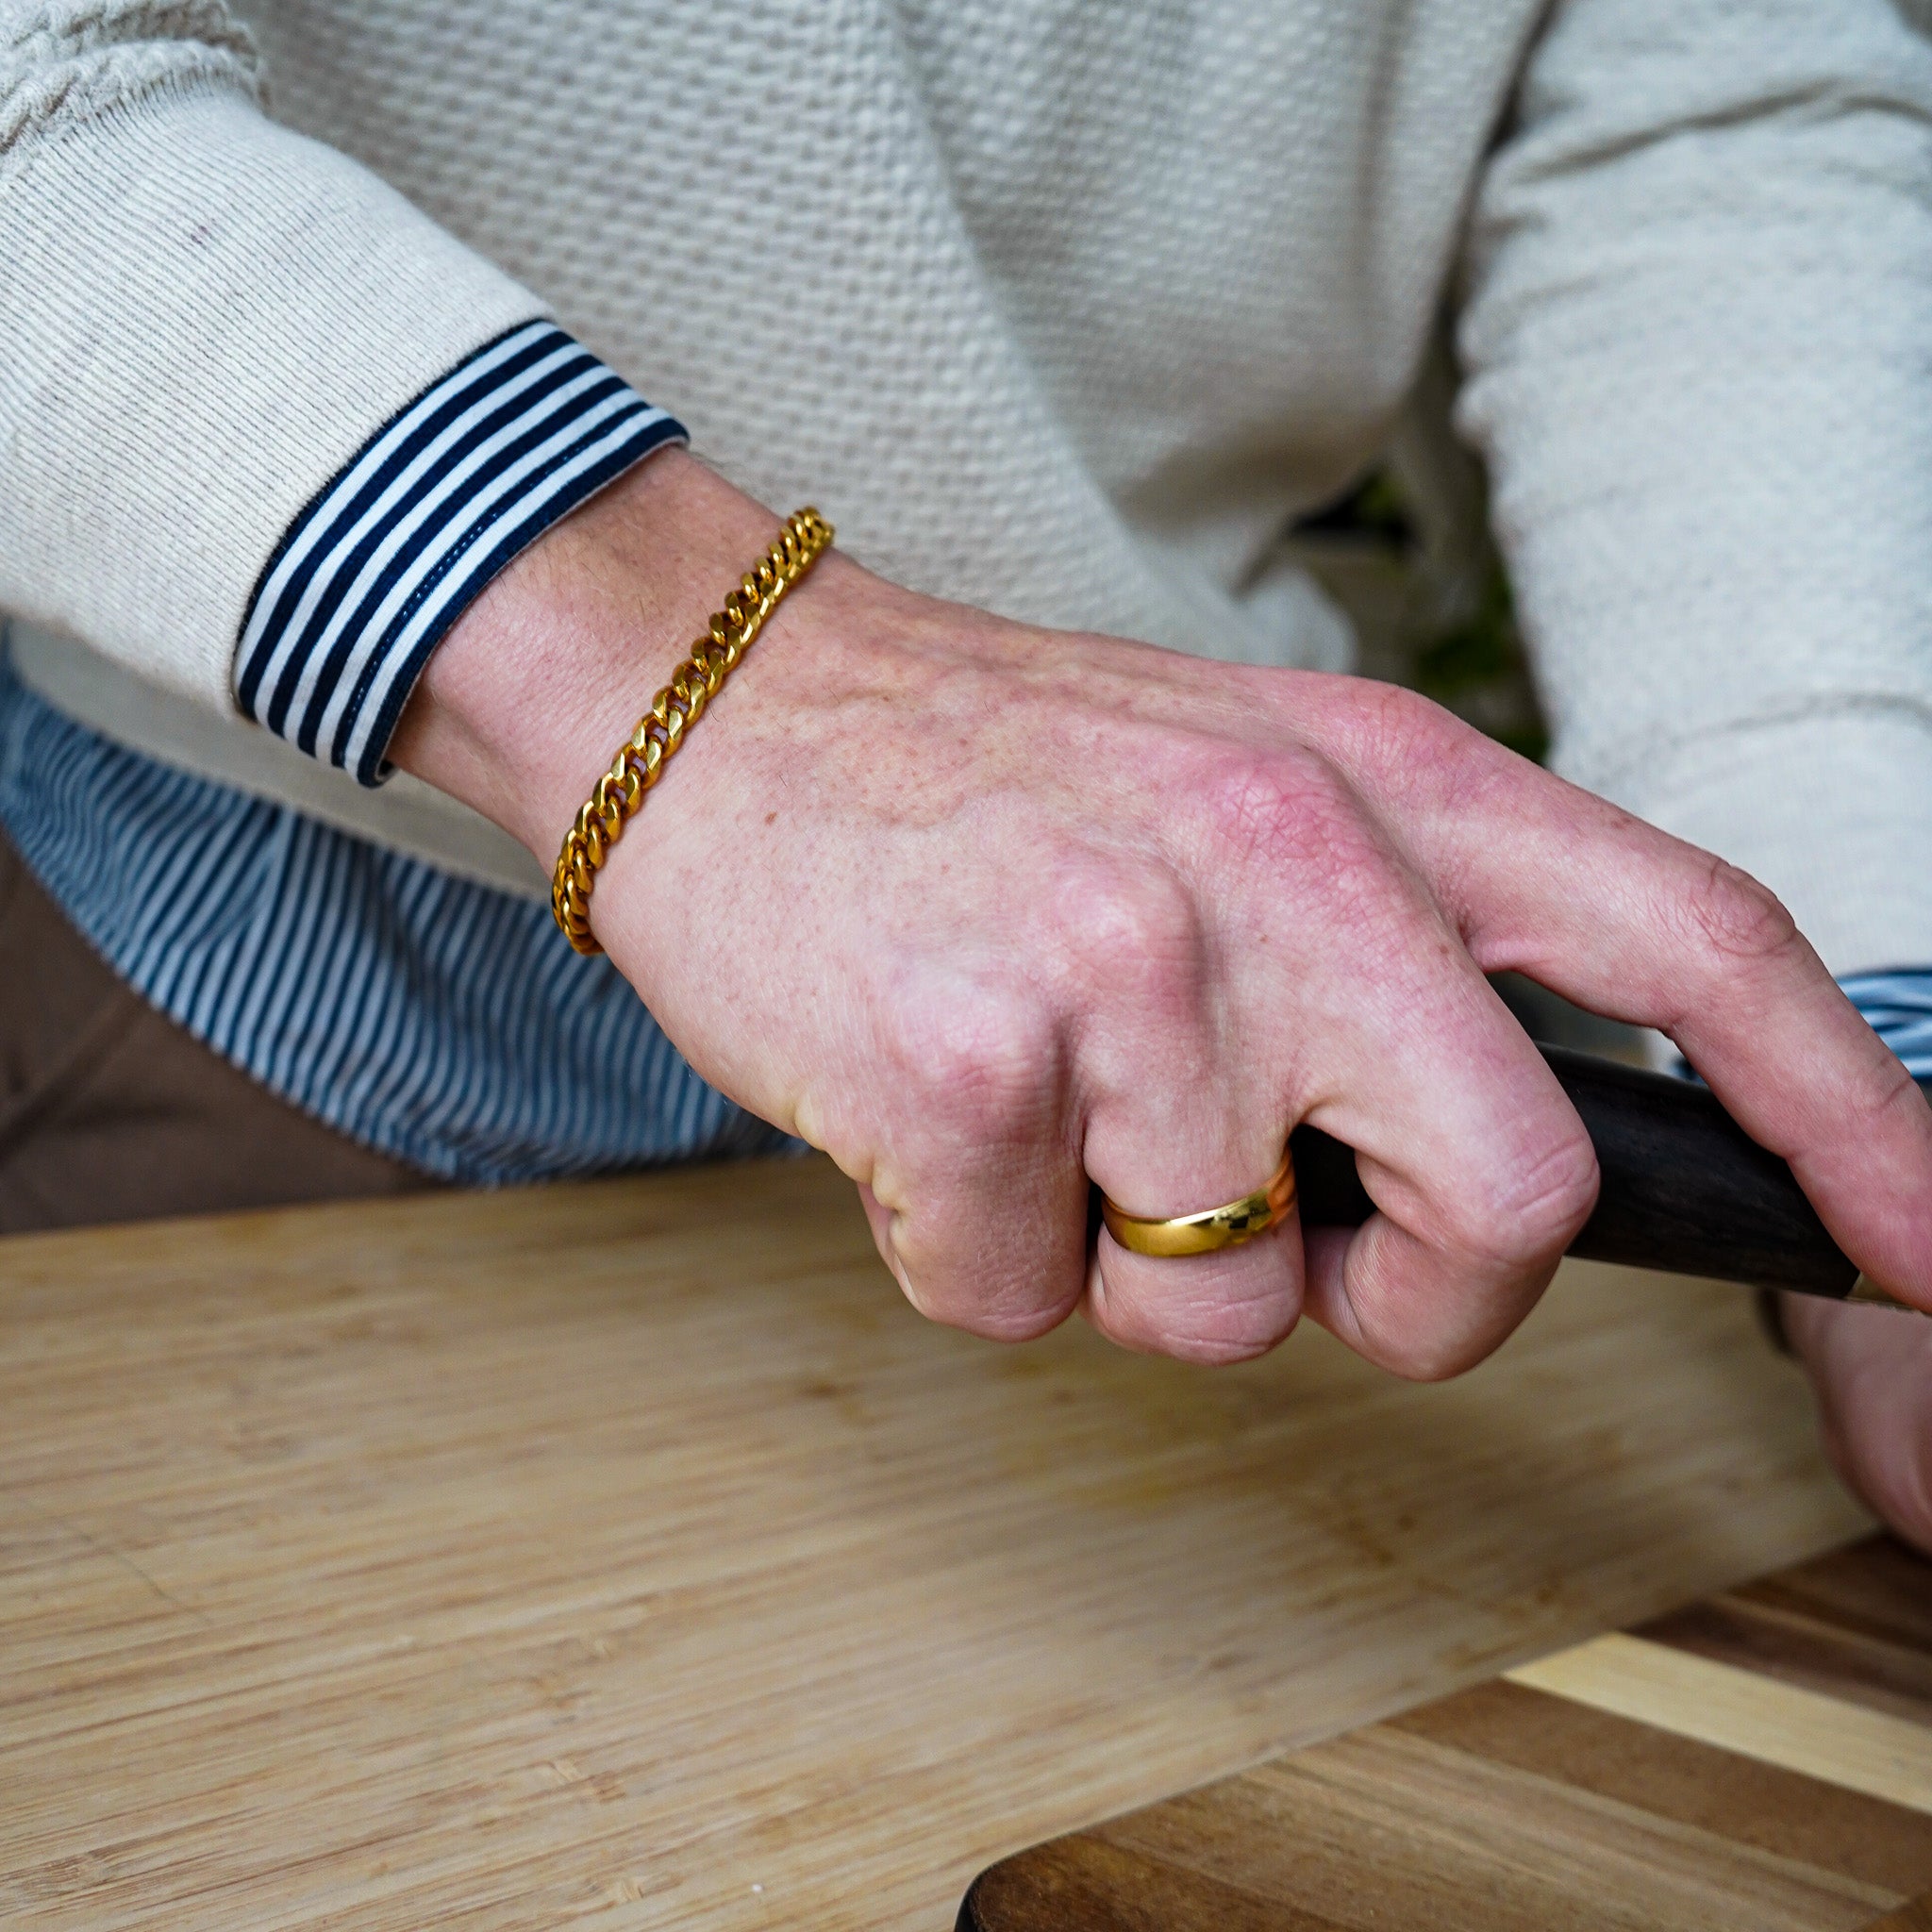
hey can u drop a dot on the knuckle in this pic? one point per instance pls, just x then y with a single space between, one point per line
1734 918
1899 1100
1293 819
1529 1209
1234 1331
1402 724
1263 807
985 1060
1017 1292
1128 927
1210 1312
1400 735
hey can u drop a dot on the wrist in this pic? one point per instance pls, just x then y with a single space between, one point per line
520 710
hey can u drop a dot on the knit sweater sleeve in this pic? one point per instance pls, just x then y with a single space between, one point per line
1696 342
263 425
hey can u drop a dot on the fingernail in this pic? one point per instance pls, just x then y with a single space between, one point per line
1868 1292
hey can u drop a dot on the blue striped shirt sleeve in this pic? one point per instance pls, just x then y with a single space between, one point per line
1897 1007
384 558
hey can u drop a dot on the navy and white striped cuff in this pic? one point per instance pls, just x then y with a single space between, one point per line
382 563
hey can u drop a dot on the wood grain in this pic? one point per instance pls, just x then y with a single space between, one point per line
630 1556
1575 1799
1728 1799
1743 1712
1916 1916
1856 1625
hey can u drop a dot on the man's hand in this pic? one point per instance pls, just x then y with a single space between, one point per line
984 911
1872 1370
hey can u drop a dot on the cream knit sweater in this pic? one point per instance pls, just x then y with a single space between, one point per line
1062 308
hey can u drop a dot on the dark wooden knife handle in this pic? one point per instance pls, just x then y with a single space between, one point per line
1685 1188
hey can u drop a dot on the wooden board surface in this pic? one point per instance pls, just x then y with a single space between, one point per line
1716 1769
630 1556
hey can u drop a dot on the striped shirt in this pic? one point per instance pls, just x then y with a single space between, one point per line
441 1021
438 1021
376 570
433 1018
1898 1007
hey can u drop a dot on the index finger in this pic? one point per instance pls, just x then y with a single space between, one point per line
1548 880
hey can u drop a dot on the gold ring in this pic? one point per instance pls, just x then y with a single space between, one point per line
1218 1227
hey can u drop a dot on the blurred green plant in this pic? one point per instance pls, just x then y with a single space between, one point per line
1482 657
1437 617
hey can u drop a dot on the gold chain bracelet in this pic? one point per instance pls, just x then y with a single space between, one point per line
640 761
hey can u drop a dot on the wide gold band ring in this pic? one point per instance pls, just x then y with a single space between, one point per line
1217 1227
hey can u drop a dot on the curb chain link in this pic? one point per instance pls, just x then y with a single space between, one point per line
640 760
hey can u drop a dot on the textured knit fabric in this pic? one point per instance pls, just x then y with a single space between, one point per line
1710 432
1061 310
205 318
432 1019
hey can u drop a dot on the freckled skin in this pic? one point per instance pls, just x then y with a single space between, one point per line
984 910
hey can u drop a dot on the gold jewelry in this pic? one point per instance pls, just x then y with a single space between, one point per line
640 761
1218 1227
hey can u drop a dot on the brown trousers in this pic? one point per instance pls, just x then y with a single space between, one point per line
110 1112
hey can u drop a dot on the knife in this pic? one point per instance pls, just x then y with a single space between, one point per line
1685 1188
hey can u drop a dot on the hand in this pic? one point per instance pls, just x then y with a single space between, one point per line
1872 1371
984 910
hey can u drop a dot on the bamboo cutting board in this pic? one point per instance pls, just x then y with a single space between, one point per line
1761 1763
630 1556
